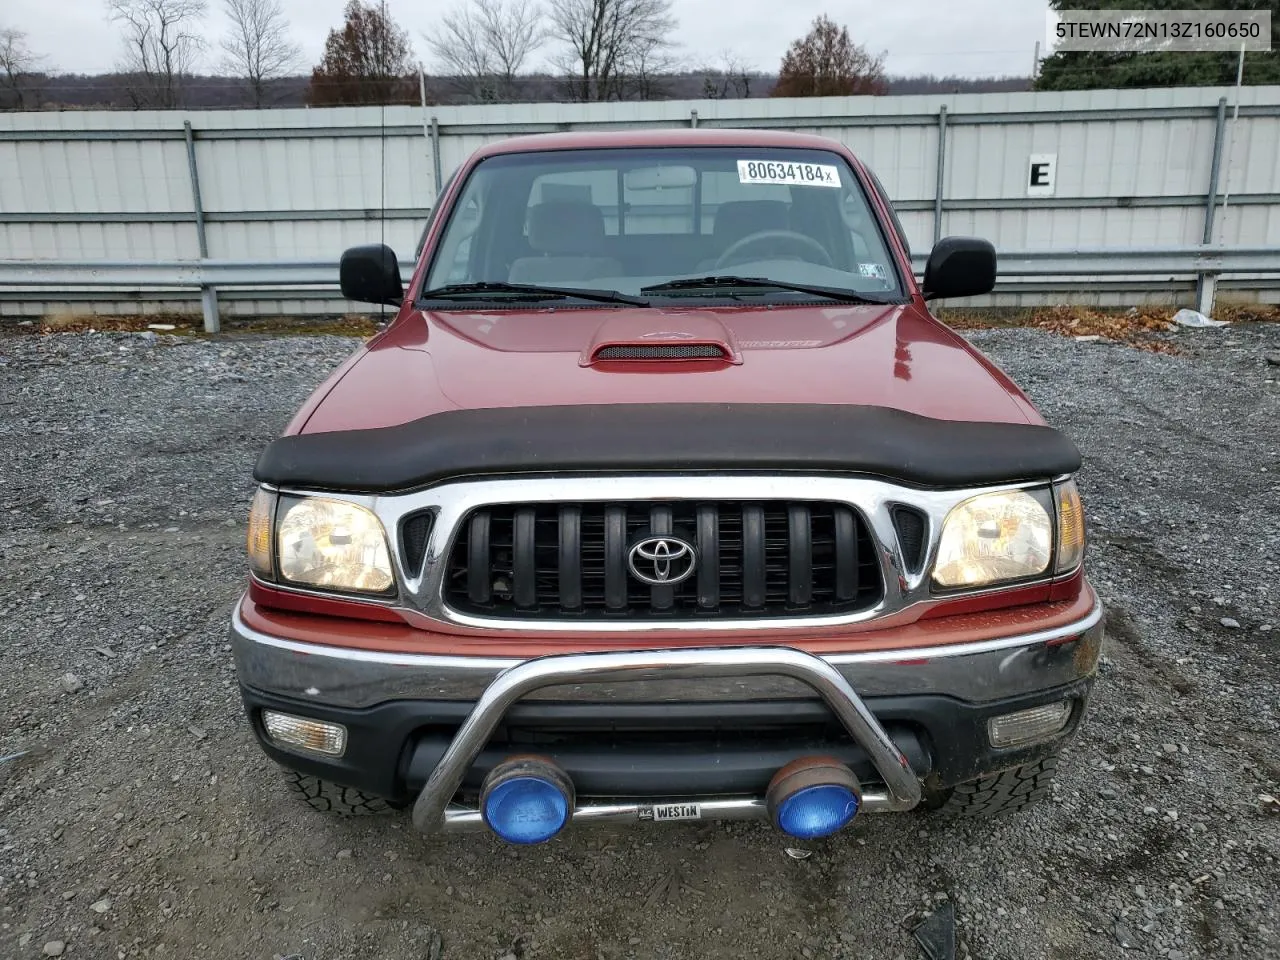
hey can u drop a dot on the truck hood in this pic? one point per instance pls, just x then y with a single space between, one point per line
891 356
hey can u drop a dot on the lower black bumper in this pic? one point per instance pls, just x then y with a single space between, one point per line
639 750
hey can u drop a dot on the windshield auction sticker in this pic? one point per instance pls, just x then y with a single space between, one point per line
1148 31
791 174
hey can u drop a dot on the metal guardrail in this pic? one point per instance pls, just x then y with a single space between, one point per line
1131 261
38 279
139 274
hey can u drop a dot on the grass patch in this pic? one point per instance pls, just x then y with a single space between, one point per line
113 323
350 325
1146 327
192 325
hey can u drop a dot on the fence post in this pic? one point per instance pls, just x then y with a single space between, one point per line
1206 283
435 153
693 118
208 294
426 121
1206 289
942 166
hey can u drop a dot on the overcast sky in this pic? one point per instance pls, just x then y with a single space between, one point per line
969 38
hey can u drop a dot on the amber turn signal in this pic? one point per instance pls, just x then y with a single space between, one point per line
259 539
1070 527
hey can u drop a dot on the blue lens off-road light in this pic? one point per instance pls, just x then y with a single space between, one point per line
813 797
817 811
526 800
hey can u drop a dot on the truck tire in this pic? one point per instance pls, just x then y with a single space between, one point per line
331 798
1002 792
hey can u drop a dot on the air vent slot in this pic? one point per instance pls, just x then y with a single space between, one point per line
912 527
673 351
415 531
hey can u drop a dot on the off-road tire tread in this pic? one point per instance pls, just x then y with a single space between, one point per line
1004 792
336 799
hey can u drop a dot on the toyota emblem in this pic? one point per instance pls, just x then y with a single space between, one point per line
662 561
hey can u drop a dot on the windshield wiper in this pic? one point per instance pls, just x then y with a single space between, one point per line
719 282
527 291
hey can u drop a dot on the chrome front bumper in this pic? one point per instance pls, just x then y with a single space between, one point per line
433 812
992 670
976 672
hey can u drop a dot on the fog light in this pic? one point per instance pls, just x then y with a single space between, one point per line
526 800
813 797
1028 726
299 733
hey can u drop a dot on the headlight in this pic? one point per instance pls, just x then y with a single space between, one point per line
993 538
332 543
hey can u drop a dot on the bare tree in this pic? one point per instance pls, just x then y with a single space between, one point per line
729 79
258 46
162 41
611 46
485 43
646 69
16 66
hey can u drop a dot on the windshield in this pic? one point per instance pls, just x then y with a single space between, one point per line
624 220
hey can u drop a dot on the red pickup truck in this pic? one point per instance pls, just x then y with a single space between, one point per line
664 497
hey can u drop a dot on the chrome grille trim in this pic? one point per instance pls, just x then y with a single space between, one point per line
874 499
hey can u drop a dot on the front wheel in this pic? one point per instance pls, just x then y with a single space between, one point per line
1008 790
331 798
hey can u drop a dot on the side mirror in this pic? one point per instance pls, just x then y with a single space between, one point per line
371 274
960 267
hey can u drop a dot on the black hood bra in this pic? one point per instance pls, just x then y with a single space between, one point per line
652 438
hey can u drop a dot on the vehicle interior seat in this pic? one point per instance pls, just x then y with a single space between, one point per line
566 237
741 218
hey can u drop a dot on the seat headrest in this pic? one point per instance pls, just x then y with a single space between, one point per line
560 227
741 218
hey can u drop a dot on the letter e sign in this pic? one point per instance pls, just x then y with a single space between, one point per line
1041 172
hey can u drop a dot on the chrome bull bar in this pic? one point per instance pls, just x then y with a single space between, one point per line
435 812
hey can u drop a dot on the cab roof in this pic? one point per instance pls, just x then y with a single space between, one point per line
660 138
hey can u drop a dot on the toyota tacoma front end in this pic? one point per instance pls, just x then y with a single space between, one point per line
664 497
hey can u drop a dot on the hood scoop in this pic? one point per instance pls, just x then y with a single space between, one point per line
666 351
631 337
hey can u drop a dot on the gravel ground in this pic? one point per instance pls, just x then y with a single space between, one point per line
143 821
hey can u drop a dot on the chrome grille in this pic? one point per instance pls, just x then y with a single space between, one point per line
757 559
